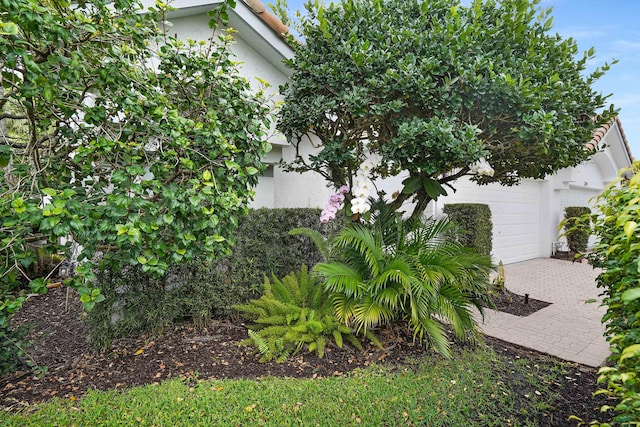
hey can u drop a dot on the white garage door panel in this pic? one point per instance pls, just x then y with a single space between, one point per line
516 223
515 213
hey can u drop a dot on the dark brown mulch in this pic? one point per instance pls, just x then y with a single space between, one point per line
73 366
520 305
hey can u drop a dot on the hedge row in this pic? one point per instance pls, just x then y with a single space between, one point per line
137 302
617 253
474 223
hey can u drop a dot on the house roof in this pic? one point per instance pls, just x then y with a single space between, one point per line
267 17
600 133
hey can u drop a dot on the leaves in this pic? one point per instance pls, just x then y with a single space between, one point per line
396 270
434 86
292 314
616 254
135 167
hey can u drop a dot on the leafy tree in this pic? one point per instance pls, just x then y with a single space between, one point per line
439 90
141 147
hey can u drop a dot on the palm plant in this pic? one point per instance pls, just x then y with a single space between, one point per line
395 270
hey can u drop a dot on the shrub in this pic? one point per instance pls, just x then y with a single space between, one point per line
577 226
139 302
617 253
264 246
11 339
395 270
474 223
293 313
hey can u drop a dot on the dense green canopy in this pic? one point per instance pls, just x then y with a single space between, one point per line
136 144
433 87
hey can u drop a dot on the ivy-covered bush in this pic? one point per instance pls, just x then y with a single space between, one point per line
617 253
475 226
577 226
136 301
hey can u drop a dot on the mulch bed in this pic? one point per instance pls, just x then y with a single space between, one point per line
520 305
59 342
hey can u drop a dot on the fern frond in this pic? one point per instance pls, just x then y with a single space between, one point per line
337 337
272 320
261 344
279 290
321 344
373 339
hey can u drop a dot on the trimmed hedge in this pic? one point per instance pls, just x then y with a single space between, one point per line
474 220
578 229
136 302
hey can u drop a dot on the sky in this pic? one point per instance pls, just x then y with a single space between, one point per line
612 27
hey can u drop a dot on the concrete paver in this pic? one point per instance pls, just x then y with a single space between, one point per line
569 328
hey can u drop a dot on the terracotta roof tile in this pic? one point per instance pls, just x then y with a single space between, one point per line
599 133
269 18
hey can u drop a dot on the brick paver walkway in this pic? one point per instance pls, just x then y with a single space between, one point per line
569 328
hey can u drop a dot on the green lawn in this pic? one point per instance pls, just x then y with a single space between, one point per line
477 388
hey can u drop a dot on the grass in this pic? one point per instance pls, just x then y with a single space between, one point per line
477 387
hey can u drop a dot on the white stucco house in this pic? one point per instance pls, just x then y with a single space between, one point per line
525 217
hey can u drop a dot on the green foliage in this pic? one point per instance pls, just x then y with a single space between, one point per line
578 227
137 301
397 270
264 246
478 387
140 147
475 226
434 86
10 338
615 224
148 166
292 314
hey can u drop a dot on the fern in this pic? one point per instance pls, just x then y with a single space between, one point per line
293 314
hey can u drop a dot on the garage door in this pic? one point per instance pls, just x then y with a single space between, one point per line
515 212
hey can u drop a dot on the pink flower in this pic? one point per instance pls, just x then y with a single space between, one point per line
336 199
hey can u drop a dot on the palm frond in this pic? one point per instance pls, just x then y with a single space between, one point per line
339 278
365 243
318 239
369 313
434 333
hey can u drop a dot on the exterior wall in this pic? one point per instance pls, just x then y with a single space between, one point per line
305 190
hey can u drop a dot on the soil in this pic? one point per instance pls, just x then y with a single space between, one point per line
520 305
59 343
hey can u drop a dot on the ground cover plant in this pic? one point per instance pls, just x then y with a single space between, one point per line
294 314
